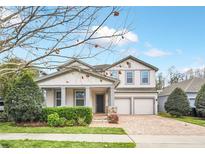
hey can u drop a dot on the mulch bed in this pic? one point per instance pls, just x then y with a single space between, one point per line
32 124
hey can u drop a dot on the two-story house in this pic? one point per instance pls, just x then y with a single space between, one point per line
128 84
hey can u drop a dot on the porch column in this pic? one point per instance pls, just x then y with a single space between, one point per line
111 97
63 96
87 97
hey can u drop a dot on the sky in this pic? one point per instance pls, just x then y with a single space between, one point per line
161 36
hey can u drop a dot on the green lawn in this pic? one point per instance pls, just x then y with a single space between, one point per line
11 128
192 120
61 144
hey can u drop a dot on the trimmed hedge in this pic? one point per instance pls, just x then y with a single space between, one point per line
70 113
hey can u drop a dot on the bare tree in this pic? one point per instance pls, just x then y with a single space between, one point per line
160 81
41 33
174 75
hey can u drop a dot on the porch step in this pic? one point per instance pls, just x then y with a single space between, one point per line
100 118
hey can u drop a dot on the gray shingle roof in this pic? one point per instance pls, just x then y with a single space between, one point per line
135 59
101 67
189 86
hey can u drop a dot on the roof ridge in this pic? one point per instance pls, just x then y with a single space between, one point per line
189 84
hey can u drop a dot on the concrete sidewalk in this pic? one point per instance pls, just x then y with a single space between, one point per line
169 141
66 137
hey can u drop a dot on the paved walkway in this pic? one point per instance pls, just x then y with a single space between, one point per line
66 137
168 141
154 125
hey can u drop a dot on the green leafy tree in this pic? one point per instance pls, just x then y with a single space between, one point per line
24 100
200 102
177 103
10 69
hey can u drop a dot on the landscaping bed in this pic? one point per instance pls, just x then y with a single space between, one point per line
61 144
193 120
8 127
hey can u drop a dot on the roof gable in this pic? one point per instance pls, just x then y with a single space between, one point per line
76 76
134 59
75 63
189 86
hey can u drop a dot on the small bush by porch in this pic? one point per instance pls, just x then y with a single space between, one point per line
70 113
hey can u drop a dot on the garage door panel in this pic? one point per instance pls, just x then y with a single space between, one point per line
143 106
123 105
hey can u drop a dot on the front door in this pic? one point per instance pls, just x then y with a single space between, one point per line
100 103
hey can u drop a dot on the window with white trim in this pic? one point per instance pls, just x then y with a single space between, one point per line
114 74
129 77
144 77
79 97
58 97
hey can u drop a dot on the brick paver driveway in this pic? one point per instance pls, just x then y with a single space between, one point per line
154 125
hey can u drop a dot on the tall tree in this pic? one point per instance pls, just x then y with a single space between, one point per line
160 81
24 101
174 75
10 69
42 33
200 102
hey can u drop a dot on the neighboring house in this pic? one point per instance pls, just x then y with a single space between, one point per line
191 88
128 84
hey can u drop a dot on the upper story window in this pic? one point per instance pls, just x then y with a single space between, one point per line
79 97
114 74
58 97
129 77
144 77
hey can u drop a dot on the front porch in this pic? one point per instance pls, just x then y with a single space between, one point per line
99 98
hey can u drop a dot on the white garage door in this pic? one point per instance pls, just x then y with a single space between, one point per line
123 105
143 106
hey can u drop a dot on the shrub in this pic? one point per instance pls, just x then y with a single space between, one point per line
193 112
70 113
200 102
62 122
53 120
3 117
113 118
23 102
70 123
81 121
177 103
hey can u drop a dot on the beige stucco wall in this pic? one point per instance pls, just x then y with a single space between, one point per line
49 100
74 78
136 67
50 92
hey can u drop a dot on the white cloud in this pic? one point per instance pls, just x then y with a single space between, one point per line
130 51
128 36
154 52
4 13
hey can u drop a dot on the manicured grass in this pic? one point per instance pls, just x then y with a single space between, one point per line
61 144
188 119
11 128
